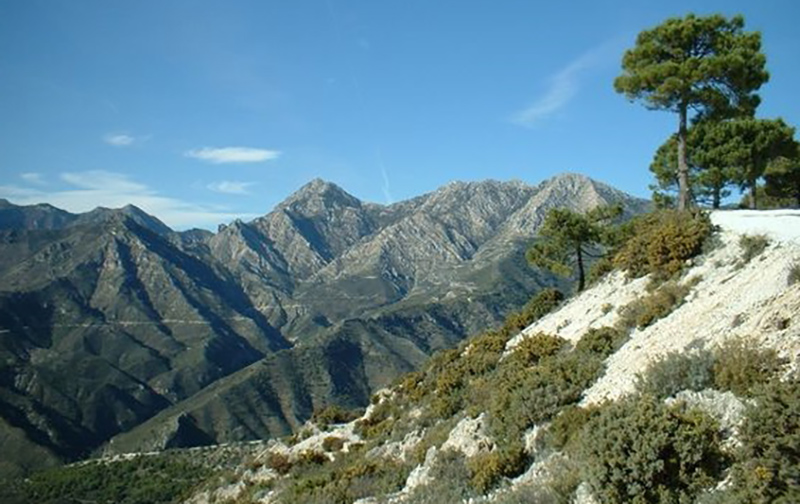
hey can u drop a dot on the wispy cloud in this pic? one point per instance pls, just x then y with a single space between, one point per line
232 154
562 87
230 187
119 139
32 178
90 189
385 175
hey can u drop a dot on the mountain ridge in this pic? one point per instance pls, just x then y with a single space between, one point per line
321 279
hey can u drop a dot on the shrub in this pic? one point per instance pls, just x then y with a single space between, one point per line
567 426
558 489
794 275
740 365
769 458
279 463
166 477
334 414
676 372
602 267
450 481
543 303
602 341
524 396
642 312
311 457
484 352
332 444
752 246
351 476
534 348
486 469
639 450
660 242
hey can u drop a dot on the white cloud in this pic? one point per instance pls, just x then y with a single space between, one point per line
230 187
100 180
562 87
119 140
232 154
32 178
88 190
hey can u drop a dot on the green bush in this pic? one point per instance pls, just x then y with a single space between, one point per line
740 365
450 481
525 396
536 347
639 450
602 267
486 469
334 414
643 311
768 465
332 444
794 275
483 352
752 246
567 426
601 341
558 489
660 242
676 372
543 303
166 477
343 481
279 463
380 422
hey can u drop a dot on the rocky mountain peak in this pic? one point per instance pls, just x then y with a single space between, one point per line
132 212
317 197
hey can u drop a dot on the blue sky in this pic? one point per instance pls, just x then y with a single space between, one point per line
203 111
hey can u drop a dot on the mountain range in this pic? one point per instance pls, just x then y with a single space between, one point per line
120 334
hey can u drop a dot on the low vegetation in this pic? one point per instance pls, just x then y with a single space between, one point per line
739 365
141 480
643 311
768 461
639 450
660 242
347 479
752 246
794 275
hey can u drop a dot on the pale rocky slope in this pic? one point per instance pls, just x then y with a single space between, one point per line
731 299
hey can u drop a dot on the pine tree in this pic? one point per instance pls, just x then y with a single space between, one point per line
569 238
707 64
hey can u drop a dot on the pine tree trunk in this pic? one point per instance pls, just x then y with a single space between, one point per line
753 202
683 166
581 275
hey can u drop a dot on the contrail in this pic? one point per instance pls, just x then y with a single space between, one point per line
362 105
386 193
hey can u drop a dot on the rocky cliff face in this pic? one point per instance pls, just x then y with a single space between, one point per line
322 255
108 319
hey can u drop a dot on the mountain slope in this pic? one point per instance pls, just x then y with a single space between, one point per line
105 325
108 319
405 448
445 265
